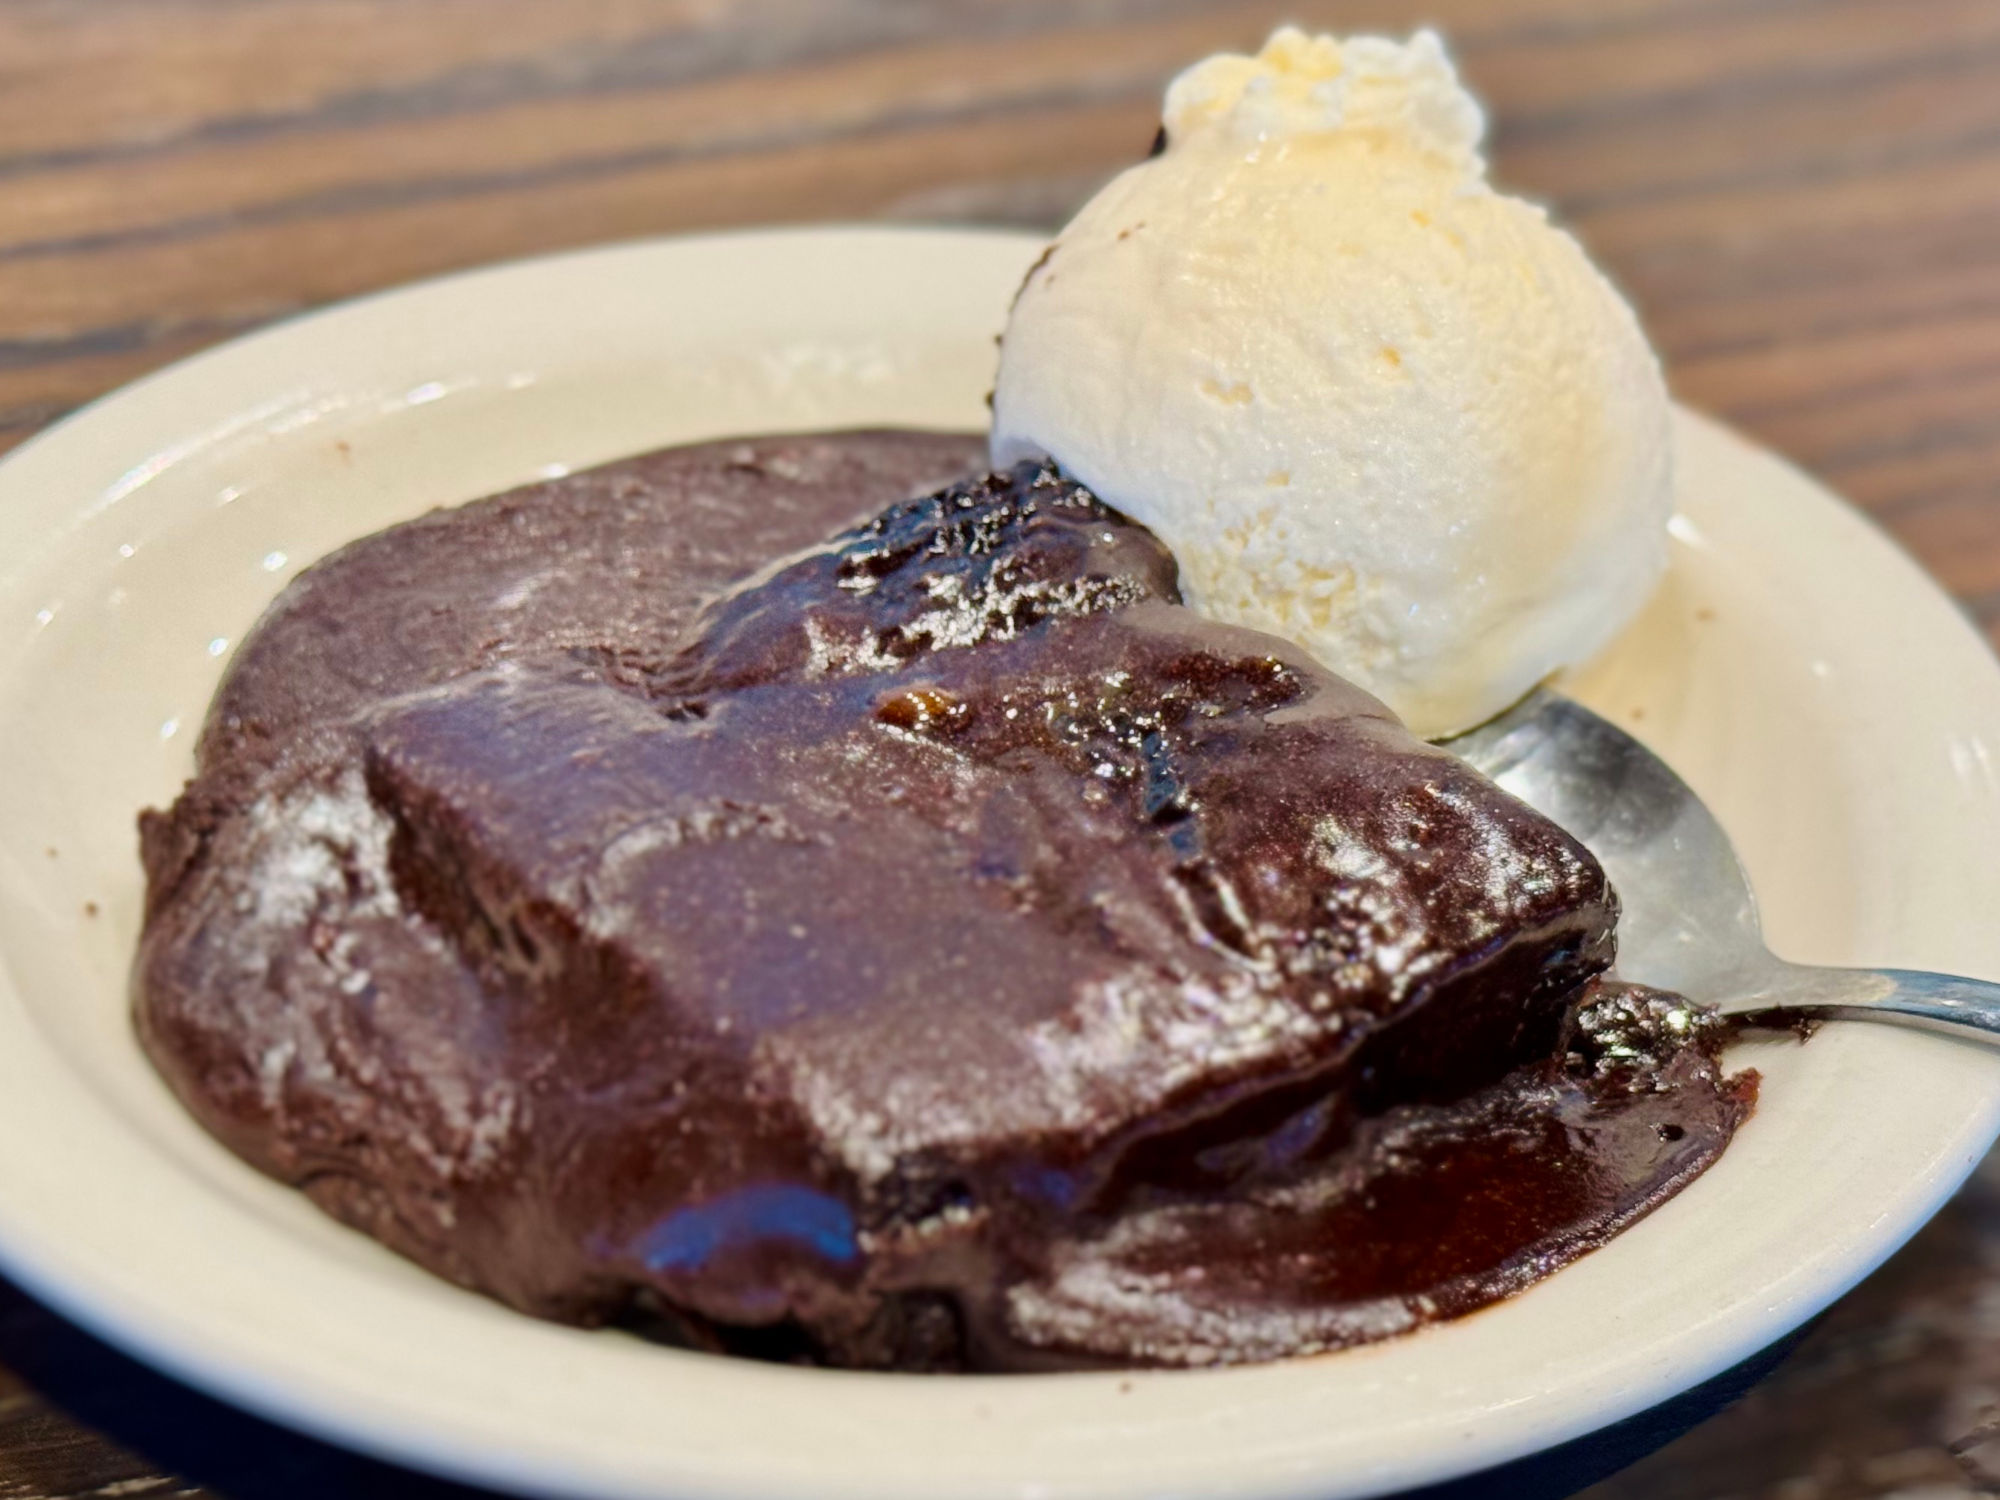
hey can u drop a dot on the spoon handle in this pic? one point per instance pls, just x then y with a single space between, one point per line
1910 997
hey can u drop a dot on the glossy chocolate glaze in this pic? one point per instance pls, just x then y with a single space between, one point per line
930 948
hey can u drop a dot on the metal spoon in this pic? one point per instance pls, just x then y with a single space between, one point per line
1689 921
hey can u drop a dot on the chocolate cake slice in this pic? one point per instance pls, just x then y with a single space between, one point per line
897 950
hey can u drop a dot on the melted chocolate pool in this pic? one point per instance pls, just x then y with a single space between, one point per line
931 948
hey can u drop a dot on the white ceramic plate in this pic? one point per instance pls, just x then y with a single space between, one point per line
1812 684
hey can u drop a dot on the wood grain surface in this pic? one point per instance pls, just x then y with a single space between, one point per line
1803 197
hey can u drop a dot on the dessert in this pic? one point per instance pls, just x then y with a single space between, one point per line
1368 402
814 898
800 900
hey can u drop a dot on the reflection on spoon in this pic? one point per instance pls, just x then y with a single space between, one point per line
1690 921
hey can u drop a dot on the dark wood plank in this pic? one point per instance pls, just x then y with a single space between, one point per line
1803 196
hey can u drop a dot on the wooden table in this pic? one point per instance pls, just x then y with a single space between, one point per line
1803 196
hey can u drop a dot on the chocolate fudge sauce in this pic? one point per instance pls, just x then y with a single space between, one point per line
929 948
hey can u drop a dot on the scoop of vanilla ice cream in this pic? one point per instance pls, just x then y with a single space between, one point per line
1369 403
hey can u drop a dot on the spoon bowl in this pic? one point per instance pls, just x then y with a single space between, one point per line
1689 917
